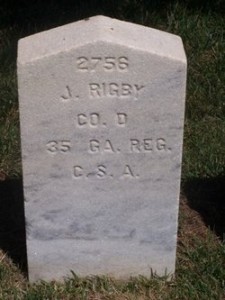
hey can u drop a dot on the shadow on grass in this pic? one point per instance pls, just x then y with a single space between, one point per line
207 197
12 222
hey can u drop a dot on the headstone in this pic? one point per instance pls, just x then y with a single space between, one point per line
102 111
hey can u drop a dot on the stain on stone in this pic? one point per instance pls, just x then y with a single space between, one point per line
121 234
85 238
177 166
82 229
74 227
132 233
46 235
55 175
51 214
145 242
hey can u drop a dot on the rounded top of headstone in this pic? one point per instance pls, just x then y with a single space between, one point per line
100 29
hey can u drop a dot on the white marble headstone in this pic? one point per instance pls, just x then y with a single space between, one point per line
102 111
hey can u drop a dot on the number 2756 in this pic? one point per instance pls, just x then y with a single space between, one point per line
108 63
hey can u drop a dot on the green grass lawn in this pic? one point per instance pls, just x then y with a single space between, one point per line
200 270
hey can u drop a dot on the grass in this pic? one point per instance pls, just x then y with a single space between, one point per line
200 271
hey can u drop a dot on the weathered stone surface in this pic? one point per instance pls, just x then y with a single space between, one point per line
102 109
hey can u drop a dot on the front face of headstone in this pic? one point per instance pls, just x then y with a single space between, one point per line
101 128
